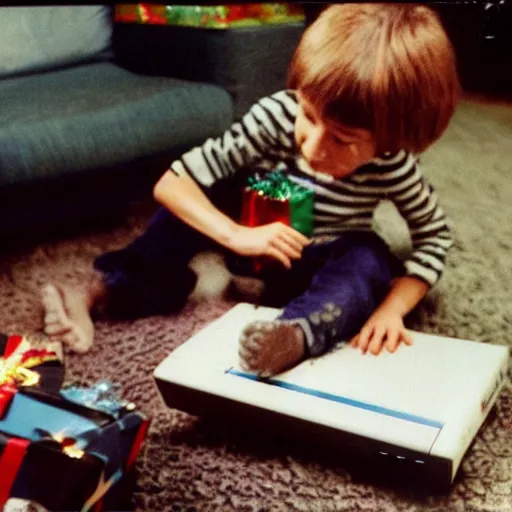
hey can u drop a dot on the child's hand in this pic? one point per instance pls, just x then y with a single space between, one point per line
383 328
276 240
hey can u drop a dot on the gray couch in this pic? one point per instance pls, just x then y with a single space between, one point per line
92 112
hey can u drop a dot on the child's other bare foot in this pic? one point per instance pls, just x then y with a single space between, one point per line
271 347
67 317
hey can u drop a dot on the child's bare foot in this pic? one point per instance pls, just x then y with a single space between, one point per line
271 347
67 317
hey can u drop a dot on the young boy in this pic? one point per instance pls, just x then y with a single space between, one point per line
370 87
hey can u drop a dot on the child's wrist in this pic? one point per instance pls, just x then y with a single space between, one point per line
394 308
228 233
394 304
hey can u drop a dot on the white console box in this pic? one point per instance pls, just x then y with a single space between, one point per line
424 403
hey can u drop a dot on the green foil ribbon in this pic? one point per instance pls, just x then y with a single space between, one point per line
277 186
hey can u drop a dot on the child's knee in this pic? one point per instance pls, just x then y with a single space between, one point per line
374 262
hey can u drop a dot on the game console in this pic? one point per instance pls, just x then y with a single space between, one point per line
417 409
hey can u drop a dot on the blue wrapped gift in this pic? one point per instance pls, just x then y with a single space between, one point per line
71 450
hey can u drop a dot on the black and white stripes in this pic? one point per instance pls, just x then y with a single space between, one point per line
264 138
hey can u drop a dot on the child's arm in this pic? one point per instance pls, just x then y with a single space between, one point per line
264 132
431 239
418 204
182 196
385 326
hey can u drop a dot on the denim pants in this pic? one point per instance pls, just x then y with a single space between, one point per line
331 291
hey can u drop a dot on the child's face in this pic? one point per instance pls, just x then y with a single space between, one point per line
330 147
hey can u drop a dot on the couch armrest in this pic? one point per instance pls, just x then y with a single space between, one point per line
249 62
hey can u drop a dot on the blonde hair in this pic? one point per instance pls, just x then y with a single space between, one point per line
387 68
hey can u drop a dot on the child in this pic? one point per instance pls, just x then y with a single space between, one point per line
370 87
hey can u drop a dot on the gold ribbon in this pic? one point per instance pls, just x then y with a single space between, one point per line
15 370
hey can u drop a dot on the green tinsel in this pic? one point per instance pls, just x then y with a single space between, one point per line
276 185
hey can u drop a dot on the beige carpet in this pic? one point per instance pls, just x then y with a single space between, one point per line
188 465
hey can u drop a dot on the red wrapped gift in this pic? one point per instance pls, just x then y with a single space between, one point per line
275 198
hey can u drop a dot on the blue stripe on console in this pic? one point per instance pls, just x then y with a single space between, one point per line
340 399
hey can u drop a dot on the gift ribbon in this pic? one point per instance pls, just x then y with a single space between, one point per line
276 185
13 342
103 396
10 463
16 363
6 394
139 439
134 452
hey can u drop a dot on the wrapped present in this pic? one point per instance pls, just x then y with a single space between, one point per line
220 16
63 448
273 197
65 455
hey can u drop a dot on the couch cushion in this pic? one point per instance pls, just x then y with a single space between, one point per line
37 38
249 63
98 115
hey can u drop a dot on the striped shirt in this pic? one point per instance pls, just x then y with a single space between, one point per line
264 139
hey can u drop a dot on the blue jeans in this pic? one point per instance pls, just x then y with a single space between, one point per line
331 291
348 278
150 276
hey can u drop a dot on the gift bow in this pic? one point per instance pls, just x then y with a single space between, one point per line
16 363
103 396
276 185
